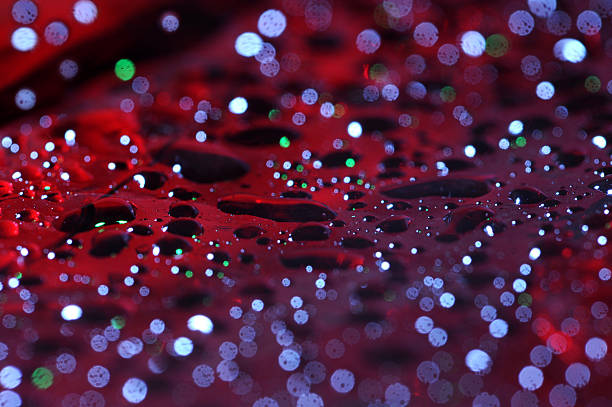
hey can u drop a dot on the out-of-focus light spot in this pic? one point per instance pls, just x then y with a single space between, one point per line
570 50
466 260
368 41
521 22
515 127
545 90
327 110
390 92
535 253
10 377
42 378
24 11
85 11
71 312
473 43
426 34
542 8
183 346
596 349
504 144
498 328
125 69
599 141
134 390
602 240
478 361
200 323
272 23
238 105
397 8
68 68
497 45
248 44
25 99
169 22
531 378
354 129
469 151
592 84
24 39
56 33
310 96
448 54
588 22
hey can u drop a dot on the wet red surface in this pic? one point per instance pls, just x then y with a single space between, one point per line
382 226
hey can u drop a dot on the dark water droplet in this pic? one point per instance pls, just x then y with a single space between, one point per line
262 136
105 211
337 223
599 214
203 162
278 209
391 174
220 257
191 299
325 259
526 196
370 124
109 243
323 41
28 215
337 159
170 246
467 219
184 194
399 206
550 248
351 195
142 230
356 205
569 159
451 188
150 179
394 224
604 185
248 232
183 211
457 164
263 241
246 258
356 243
550 203
296 194
185 227
603 171
393 162
310 232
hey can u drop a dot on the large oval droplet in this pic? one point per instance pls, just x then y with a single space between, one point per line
100 213
278 209
450 188
203 162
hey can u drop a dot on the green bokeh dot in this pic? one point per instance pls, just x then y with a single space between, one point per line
42 378
284 142
448 94
125 69
592 84
497 45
